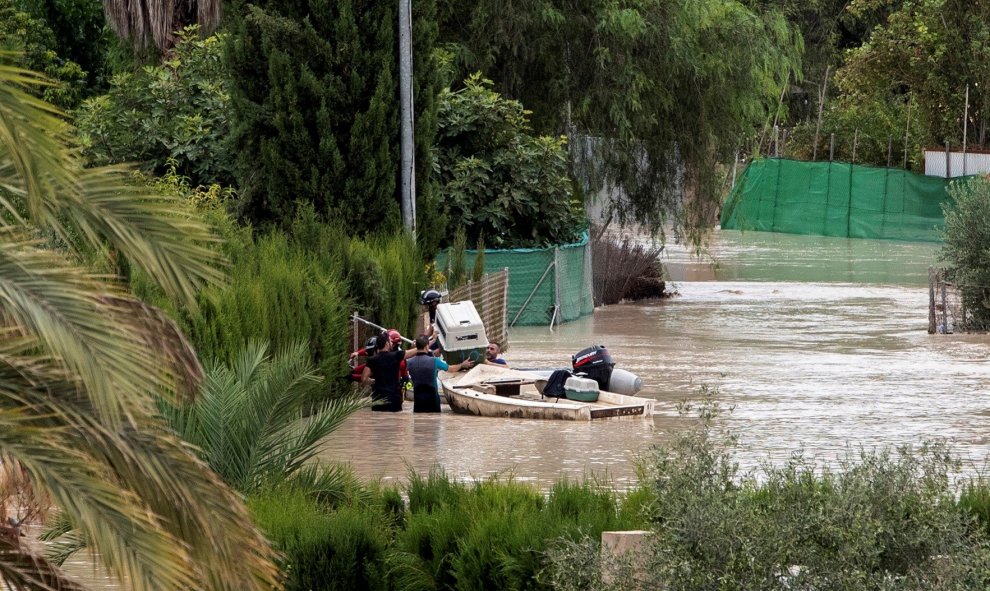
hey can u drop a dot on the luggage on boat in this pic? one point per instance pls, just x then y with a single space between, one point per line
581 389
554 387
595 363
461 332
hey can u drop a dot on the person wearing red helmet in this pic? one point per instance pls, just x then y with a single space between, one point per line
385 368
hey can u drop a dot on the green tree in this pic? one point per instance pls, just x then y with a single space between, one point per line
926 51
967 234
315 111
498 181
256 425
81 34
653 94
36 45
173 113
82 363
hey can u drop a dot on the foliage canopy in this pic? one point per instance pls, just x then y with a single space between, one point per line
498 181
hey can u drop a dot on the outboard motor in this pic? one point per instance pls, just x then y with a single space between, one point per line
595 363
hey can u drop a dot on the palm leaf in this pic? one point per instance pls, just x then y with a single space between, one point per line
20 570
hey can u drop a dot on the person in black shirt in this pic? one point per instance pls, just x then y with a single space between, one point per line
384 368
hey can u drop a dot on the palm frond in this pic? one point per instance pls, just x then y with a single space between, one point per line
253 420
21 570
54 301
137 493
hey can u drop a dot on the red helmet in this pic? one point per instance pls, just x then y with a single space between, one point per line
394 336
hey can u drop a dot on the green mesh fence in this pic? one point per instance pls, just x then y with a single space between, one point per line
836 199
545 284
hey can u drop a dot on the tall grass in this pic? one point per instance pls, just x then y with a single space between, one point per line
341 550
280 293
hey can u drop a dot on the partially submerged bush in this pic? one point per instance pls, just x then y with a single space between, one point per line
624 269
883 520
966 234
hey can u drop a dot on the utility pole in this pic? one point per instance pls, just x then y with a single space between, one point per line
407 202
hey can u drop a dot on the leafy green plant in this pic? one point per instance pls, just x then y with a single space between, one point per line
341 550
177 110
255 423
497 179
883 519
32 37
966 234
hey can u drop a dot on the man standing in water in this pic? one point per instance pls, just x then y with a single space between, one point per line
423 368
386 396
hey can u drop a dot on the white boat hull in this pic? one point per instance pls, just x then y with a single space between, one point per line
474 393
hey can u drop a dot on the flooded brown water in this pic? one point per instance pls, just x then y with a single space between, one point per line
817 343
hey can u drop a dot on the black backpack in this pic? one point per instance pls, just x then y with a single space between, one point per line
555 383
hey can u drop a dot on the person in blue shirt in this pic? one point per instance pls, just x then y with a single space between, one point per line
423 368
492 355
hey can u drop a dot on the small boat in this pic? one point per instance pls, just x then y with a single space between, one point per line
496 391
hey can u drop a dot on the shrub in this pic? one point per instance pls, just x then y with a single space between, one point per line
966 234
255 421
177 110
340 550
497 179
885 519
280 293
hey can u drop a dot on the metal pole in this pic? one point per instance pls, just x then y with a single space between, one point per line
947 163
855 141
890 149
735 164
408 188
907 130
776 141
783 141
831 148
821 104
965 128
373 325
931 301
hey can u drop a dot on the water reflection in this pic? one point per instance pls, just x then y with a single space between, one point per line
818 343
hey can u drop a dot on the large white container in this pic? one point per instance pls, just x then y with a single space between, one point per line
461 332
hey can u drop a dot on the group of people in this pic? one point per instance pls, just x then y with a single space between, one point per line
387 365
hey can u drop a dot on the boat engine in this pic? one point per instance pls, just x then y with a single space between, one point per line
595 363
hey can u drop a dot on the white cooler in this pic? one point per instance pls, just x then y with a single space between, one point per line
461 332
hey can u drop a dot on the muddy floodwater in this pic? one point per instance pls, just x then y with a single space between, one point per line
818 344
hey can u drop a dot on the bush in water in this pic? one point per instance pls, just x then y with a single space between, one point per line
884 520
966 234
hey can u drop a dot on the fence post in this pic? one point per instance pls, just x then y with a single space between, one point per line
831 148
945 311
931 300
947 163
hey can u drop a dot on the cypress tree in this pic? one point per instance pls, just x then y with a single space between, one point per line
315 110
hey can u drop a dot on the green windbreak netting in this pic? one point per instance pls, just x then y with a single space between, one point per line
835 199
544 283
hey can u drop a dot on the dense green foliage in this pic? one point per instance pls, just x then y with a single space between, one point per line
490 534
498 181
322 550
175 112
35 41
315 116
82 363
658 92
80 32
884 519
965 253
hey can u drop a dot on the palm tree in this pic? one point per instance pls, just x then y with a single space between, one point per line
256 424
81 364
146 22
